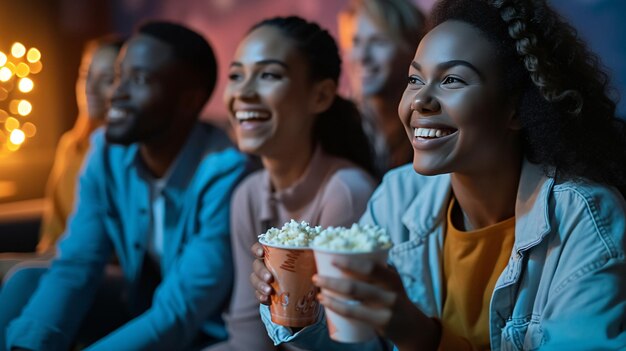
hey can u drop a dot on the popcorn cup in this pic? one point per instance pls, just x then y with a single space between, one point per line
341 328
294 302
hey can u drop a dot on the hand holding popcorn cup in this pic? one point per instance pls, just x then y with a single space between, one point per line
291 262
360 244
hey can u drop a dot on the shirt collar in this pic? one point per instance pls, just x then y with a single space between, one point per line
182 169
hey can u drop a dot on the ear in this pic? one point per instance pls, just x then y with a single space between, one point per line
323 95
513 117
514 122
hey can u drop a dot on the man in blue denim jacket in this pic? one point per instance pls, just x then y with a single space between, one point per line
155 191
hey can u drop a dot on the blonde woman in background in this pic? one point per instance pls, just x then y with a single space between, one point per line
378 38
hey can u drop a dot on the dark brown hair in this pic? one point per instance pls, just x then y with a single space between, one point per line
568 120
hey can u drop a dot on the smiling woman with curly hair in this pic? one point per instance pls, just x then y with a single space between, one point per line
511 236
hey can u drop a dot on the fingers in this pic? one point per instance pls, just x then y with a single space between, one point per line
377 317
264 299
369 294
257 250
260 280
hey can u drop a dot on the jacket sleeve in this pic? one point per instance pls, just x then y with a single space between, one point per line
586 308
197 287
75 273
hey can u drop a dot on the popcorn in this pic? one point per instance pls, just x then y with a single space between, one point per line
358 238
291 234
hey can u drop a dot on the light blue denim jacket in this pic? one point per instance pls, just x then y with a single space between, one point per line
113 214
564 287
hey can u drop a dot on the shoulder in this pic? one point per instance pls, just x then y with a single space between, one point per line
598 208
345 179
598 199
219 155
351 178
250 187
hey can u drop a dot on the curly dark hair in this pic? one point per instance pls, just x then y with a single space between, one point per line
568 120
338 129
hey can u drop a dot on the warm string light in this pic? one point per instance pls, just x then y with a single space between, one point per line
17 66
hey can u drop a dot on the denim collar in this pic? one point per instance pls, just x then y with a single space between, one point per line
428 209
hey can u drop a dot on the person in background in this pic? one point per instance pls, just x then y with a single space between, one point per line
155 190
512 234
284 108
93 89
379 38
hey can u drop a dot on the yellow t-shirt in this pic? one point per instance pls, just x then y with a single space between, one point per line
472 263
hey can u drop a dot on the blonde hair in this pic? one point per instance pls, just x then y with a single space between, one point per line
404 22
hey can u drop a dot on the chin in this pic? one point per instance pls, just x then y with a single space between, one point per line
252 147
427 171
120 137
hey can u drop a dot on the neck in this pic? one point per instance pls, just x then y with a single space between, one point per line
159 154
286 168
489 197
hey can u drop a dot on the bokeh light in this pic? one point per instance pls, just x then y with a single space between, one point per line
33 55
11 123
22 70
26 85
18 50
13 106
24 108
29 129
36 67
5 74
16 67
13 147
17 136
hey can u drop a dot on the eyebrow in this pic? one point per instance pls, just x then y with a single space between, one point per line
262 62
449 64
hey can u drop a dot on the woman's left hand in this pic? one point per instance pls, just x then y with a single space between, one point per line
384 304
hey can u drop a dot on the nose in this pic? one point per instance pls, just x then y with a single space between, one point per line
245 90
360 52
119 90
425 103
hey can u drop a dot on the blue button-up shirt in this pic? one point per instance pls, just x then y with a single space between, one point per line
113 215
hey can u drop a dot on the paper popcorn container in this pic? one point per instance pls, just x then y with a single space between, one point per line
294 302
340 328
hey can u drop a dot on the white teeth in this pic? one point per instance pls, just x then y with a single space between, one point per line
246 115
116 114
431 132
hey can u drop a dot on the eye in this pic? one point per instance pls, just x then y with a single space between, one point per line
271 76
451 80
415 80
234 76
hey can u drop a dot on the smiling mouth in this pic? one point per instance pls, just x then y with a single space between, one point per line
252 116
116 114
432 133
